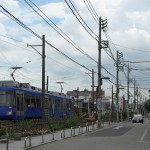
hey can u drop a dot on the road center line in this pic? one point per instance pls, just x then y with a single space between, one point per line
141 140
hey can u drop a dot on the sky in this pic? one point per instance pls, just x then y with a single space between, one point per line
128 33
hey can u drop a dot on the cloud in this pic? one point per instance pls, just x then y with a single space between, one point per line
127 26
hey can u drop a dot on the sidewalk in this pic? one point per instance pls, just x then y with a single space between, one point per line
28 142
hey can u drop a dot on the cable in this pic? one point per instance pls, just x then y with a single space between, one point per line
81 22
71 41
91 11
28 29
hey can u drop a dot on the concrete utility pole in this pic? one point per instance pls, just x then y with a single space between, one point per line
101 44
112 103
128 82
47 83
43 74
119 67
93 97
117 87
134 101
99 74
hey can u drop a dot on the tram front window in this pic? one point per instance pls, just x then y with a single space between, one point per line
6 98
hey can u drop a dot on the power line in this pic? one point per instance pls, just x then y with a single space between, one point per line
7 13
82 20
89 7
62 34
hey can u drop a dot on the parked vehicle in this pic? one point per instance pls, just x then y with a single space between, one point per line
137 118
23 101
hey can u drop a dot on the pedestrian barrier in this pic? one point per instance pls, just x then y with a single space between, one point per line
5 140
25 141
84 128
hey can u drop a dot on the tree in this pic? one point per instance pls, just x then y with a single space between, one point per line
147 105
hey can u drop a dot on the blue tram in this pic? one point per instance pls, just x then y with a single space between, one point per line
23 101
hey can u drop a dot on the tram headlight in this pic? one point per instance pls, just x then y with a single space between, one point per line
9 113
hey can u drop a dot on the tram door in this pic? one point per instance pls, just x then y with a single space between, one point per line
19 104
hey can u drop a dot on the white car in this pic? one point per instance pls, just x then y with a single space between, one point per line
137 118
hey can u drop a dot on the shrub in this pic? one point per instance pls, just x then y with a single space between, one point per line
2 130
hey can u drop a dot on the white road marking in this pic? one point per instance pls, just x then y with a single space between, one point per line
118 127
141 140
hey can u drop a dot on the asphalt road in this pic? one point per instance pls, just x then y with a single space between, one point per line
125 136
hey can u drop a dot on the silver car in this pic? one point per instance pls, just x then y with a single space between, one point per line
137 118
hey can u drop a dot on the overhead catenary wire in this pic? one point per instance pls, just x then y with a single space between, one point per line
35 34
38 36
60 32
59 29
83 24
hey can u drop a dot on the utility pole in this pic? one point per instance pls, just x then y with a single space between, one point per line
47 84
93 97
128 80
99 75
134 102
119 67
43 72
137 99
93 87
112 104
117 87
101 44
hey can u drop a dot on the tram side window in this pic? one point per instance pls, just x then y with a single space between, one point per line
64 104
38 101
57 103
27 100
50 102
6 98
67 103
33 101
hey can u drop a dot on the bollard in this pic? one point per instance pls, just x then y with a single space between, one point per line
42 137
71 131
61 134
74 131
79 129
86 127
53 134
92 125
25 141
64 133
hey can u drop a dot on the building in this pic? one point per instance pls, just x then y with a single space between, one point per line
83 99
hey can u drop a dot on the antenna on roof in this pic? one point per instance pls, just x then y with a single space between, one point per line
15 68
